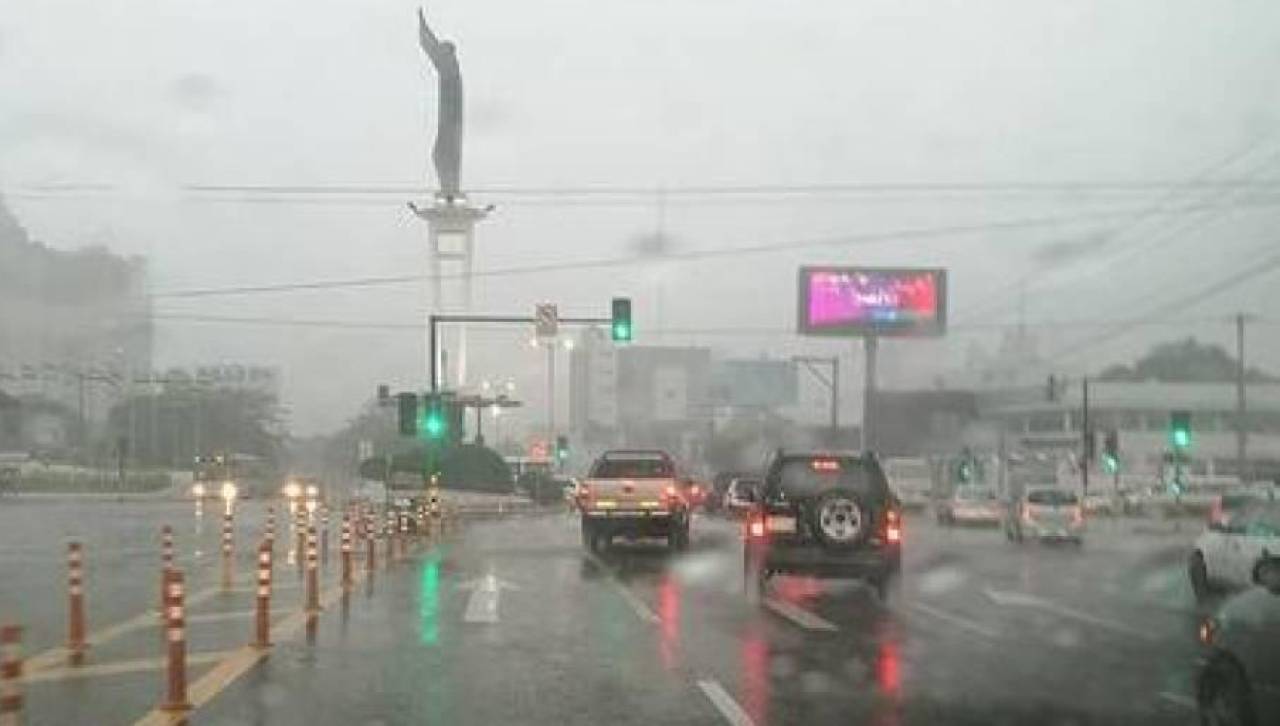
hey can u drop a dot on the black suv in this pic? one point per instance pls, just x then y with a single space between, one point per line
824 515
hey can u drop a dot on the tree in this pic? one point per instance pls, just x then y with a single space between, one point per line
1184 361
171 427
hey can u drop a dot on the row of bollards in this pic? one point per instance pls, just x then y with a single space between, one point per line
359 524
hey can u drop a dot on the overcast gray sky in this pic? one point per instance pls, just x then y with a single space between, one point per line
146 96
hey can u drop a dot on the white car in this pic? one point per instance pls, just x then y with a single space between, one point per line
911 481
1046 513
1229 550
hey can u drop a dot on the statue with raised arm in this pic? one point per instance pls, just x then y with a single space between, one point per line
447 154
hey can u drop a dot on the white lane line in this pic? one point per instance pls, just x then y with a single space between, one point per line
956 620
641 610
1178 699
799 615
724 703
1018 599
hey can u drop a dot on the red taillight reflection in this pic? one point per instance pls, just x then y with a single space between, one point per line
888 669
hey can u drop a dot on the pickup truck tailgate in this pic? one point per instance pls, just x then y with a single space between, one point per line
628 494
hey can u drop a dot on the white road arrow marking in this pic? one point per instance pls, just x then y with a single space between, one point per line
482 606
1019 599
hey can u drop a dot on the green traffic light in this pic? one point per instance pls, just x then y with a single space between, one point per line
1111 464
434 425
621 331
1181 438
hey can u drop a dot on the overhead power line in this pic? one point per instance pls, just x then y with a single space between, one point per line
916 233
607 190
400 325
1240 276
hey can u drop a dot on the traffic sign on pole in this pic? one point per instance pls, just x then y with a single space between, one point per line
546 320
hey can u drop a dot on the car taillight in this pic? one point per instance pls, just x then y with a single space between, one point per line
584 492
1077 516
670 492
756 528
1215 512
1207 631
892 526
694 491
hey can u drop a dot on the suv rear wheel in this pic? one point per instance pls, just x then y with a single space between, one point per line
839 519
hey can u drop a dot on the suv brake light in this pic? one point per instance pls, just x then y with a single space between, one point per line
756 528
892 526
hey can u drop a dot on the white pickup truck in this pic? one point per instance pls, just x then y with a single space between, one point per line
633 494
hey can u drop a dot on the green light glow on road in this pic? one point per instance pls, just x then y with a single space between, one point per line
429 601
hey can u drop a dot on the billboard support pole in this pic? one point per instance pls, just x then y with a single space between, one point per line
871 345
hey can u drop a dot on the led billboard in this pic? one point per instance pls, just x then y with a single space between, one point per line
867 301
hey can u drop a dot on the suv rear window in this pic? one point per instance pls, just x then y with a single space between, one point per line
640 467
805 477
1051 497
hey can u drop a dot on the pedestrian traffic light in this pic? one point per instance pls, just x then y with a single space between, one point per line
434 422
1180 430
407 403
964 470
1111 452
562 447
620 331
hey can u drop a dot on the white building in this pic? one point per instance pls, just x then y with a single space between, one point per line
1140 414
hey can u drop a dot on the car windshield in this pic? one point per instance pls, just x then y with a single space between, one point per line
446 324
633 468
1051 497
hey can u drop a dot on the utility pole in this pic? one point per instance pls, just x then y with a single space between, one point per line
551 389
832 384
1088 439
1242 424
871 344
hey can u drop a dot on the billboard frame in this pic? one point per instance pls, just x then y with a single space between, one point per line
936 329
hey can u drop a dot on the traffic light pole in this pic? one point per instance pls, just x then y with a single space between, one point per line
434 321
1088 439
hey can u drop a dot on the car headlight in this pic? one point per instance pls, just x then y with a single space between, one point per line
229 490
197 490
292 490
312 491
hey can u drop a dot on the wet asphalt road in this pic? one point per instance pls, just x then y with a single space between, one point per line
509 621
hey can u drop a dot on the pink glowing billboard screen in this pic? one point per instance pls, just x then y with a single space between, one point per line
861 301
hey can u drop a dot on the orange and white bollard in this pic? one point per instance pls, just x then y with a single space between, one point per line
75 604
166 560
269 534
324 533
346 552
389 529
228 551
402 529
263 630
10 675
313 572
176 644
300 547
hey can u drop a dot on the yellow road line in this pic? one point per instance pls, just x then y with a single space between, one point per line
72 673
57 655
240 661
232 615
